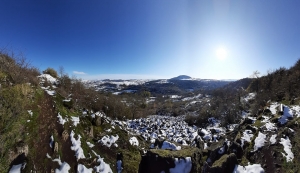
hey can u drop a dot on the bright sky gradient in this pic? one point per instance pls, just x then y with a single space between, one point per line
153 38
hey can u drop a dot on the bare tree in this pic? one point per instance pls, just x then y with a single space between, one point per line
61 71
256 75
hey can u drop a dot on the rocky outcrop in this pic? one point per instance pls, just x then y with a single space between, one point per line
21 148
225 164
236 149
216 150
157 160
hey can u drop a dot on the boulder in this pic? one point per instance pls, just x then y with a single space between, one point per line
91 133
225 164
157 160
247 121
253 129
97 121
216 150
55 147
21 151
65 135
236 149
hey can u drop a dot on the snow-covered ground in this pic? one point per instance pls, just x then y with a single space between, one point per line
173 129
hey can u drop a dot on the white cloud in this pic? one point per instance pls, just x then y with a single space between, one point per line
79 72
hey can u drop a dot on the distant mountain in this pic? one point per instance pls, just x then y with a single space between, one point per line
181 77
177 85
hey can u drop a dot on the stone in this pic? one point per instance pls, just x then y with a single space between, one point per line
55 147
91 132
65 135
97 121
247 121
22 149
225 164
236 149
214 149
11 155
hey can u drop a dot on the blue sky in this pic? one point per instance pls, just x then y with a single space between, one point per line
153 38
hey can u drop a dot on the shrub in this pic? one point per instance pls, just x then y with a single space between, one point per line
51 71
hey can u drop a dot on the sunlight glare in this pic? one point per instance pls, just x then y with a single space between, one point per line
221 53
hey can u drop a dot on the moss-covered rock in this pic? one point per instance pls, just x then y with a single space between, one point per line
225 164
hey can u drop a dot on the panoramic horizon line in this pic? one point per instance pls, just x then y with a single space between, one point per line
87 76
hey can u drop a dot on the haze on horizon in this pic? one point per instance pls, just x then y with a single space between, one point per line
153 39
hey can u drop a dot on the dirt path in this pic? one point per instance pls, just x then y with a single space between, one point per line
47 123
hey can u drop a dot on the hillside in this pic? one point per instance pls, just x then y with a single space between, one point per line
177 85
54 123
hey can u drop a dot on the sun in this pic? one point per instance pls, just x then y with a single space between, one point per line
221 53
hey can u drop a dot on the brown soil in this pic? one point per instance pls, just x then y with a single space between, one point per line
47 122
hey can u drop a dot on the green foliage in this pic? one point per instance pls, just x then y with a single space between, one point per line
13 115
279 85
51 72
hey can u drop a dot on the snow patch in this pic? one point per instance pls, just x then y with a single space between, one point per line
82 169
273 107
247 135
133 141
30 112
119 166
102 167
48 77
16 169
61 120
255 168
250 96
50 92
287 113
90 144
51 141
287 146
270 126
108 141
273 139
64 167
259 141
76 146
48 156
182 165
170 146
75 120
221 150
